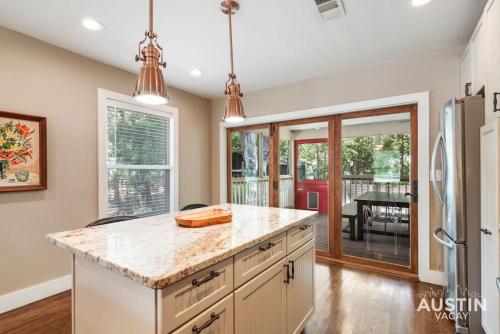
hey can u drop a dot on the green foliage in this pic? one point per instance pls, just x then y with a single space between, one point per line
358 154
313 158
236 145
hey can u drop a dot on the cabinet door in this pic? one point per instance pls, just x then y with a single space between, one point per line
480 55
466 72
300 290
490 201
493 86
260 304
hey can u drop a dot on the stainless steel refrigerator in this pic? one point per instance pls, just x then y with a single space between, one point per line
457 147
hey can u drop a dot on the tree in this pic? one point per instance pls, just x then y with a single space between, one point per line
357 155
400 144
314 158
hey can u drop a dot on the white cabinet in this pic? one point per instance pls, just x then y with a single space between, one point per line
490 214
300 289
260 305
493 83
466 73
480 55
281 299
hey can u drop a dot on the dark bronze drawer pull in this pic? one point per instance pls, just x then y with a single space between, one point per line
305 227
213 317
495 102
213 274
287 280
292 276
269 245
486 231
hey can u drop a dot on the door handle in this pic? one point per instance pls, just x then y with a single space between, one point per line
498 283
486 231
439 231
495 102
441 194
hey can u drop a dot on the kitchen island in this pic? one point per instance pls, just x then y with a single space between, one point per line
149 275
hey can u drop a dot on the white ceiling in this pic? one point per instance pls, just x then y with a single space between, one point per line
276 41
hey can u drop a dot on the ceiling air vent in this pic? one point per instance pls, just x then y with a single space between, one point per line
330 9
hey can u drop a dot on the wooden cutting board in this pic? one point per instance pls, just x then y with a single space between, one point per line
204 218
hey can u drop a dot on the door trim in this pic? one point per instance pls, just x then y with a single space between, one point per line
426 274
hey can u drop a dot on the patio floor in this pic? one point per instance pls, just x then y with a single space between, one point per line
381 246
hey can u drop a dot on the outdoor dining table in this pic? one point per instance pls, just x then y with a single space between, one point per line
377 198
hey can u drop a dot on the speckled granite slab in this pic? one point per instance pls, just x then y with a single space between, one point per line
156 252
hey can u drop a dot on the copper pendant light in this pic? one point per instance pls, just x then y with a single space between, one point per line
233 111
150 87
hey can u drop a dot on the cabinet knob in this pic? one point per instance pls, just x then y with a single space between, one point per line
467 89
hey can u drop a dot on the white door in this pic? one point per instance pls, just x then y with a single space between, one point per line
490 201
260 304
300 289
493 84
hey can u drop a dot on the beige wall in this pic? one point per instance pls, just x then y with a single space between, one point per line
39 79
437 72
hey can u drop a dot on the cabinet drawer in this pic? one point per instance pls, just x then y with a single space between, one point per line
219 319
299 235
255 260
185 299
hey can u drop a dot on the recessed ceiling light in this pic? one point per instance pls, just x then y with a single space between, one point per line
92 24
418 3
196 72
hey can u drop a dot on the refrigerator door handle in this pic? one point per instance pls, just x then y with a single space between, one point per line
441 194
439 231
498 283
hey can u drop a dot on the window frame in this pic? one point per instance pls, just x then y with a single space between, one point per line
104 97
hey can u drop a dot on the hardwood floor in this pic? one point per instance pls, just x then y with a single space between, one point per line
351 301
48 316
348 301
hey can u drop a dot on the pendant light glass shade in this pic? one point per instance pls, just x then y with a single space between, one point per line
150 87
233 112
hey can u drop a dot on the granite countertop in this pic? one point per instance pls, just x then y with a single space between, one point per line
156 252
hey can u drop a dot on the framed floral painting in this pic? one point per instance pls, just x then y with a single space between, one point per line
23 152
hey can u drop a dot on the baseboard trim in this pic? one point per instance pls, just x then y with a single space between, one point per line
13 300
431 276
373 269
434 277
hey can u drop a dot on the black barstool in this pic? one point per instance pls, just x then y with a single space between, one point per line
110 220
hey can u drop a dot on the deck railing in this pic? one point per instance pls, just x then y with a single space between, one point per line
255 190
356 185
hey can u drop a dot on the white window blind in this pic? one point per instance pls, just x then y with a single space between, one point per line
138 161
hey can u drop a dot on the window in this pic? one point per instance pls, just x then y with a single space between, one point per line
137 174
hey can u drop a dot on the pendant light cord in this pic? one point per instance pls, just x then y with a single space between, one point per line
230 12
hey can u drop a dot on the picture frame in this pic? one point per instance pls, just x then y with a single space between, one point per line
23 152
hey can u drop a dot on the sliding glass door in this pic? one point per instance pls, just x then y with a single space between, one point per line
357 170
378 171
